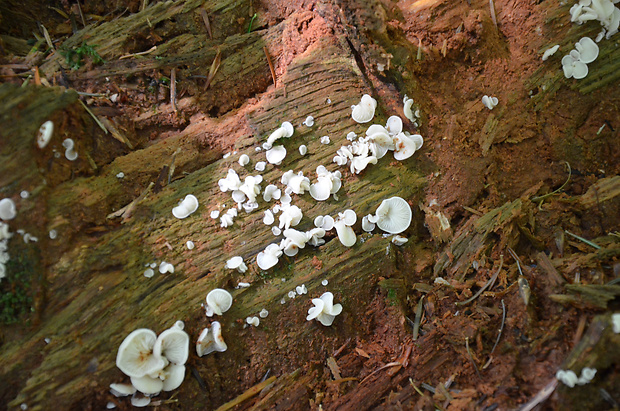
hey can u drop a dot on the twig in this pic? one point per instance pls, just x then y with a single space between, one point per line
488 284
141 53
418 318
105 130
173 89
341 349
492 6
273 71
388 365
333 367
473 211
144 5
249 393
588 242
419 56
37 76
126 211
471 358
109 124
214 67
172 166
541 396
541 198
205 18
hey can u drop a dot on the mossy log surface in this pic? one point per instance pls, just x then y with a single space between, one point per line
95 292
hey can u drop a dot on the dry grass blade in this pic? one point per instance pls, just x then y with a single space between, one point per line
471 358
173 89
273 70
249 393
48 39
418 318
205 18
388 365
214 67
140 53
492 7
99 123
126 211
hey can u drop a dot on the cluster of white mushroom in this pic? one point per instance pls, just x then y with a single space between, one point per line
378 141
8 211
218 302
324 310
153 363
570 379
602 11
186 207
575 63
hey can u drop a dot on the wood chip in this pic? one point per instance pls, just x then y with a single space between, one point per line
333 367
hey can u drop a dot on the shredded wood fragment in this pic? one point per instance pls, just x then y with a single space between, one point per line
487 285
388 365
205 19
273 70
127 211
418 318
48 39
173 89
333 367
249 393
214 67
492 7
172 166
140 53
471 358
109 124
541 396
37 76
81 13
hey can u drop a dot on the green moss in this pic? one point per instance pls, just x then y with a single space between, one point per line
15 288
75 57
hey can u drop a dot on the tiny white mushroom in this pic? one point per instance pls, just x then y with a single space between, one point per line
236 263
615 322
489 102
365 110
325 140
271 192
303 149
276 230
147 385
185 207
215 214
253 321
343 224
218 302
70 153
324 310
268 257
285 130
122 390
174 375
173 344
244 159
324 282
399 240
148 273
165 267
269 218
393 215
407 104
309 121
260 166
140 400
189 244
406 144
276 154
7 209
550 52
569 378
44 135
587 375
301 289
211 340
367 225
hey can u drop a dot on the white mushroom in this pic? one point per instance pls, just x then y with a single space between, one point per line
293 241
286 130
406 144
290 217
174 374
268 257
189 244
255 321
211 340
588 50
325 140
165 267
276 154
135 355
379 139
263 313
147 385
325 222
309 121
186 207
70 153
236 263
303 149
324 309
407 104
343 224
244 159
122 390
399 240
260 166
550 52
315 236
394 125
367 225
392 216
489 102
218 302
7 209
301 289
365 110
297 183
45 133
173 344
269 218
271 191
231 182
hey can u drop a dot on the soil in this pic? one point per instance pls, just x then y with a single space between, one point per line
496 352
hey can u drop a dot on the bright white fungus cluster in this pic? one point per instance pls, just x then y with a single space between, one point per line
570 379
153 363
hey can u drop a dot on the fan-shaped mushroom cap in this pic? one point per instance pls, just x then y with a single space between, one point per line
348 216
489 102
122 390
293 241
45 134
407 104
231 182
588 49
394 125
393 215
219 301
321 190
365 110
573 66
7 209
285 130
271 191
135 355
324 309
290 217
244 159
186 207
367 225
405 145
173 344
211 340
147 385
236 263
276 155
268 257
174 376
346 235
315 236
358 164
